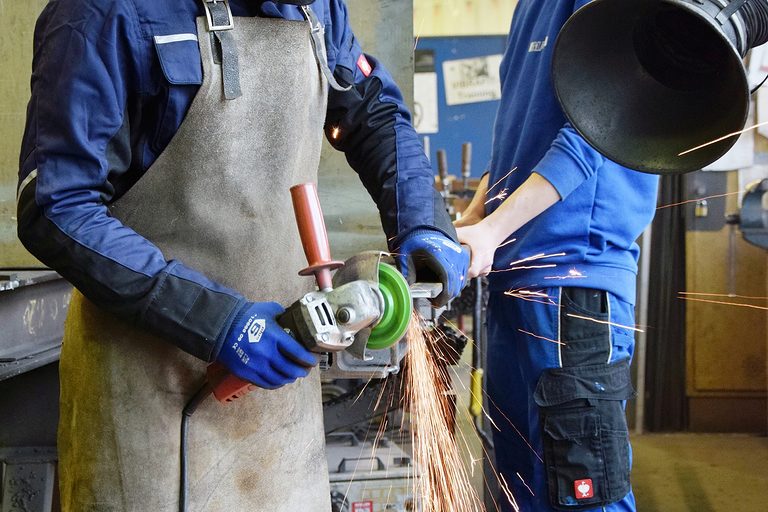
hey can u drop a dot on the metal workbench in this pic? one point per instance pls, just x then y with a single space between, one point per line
33 305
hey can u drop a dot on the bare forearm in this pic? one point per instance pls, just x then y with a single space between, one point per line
534 196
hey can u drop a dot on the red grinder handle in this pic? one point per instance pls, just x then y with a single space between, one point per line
226 387
314 238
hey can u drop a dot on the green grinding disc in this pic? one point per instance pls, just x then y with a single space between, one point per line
397 309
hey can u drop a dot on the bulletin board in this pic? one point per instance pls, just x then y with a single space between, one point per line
471 115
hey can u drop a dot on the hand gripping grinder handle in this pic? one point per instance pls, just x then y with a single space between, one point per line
314 239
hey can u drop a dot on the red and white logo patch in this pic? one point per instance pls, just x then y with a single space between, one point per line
362 506
364 65
583 489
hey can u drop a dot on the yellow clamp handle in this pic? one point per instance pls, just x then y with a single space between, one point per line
476 390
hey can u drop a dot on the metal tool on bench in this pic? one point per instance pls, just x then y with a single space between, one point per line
466 168
357 319
753 218
442 173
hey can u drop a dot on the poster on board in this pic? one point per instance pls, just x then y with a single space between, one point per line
472 80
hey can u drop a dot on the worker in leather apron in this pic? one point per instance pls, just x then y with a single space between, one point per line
162 139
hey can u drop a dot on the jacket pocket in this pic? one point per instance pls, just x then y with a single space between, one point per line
179 57
584 432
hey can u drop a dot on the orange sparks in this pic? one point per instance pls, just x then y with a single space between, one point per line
531 296
533 450
335 131
418 35
500 196
443 483
532 293
572 274
529 267
730 295
541 337
502 179
535 257
698 199
526 485
758 125
751 306
508 492
604 322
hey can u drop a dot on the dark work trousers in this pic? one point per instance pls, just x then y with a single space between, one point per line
558 381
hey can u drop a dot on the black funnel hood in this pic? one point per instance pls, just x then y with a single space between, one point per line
645 80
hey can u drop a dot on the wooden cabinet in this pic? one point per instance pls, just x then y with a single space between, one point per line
726 344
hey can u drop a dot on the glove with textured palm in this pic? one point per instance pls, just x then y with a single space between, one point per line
428 255
258 350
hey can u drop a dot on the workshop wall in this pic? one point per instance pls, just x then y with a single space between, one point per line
432 18
384 28
458 49
442 62
17 22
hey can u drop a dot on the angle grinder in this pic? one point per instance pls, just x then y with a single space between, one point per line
366 306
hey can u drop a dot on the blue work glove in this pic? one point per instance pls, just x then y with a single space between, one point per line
428 256
258 350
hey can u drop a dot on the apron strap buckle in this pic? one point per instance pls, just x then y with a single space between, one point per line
218 17
314 22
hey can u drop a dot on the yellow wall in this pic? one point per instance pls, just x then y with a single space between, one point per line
17 22
461 17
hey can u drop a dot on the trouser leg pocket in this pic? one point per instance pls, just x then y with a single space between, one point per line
584 433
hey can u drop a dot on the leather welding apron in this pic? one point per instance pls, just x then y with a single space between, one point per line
218 200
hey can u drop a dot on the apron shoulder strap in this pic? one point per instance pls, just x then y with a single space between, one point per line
317 33
220 23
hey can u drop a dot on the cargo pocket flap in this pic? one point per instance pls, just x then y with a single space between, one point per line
179 57
603 382
572 426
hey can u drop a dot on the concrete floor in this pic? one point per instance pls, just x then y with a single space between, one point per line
700 472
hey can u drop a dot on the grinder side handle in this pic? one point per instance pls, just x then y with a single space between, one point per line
314 237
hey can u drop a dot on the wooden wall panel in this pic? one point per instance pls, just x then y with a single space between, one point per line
726 345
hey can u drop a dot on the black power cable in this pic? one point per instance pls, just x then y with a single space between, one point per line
198 398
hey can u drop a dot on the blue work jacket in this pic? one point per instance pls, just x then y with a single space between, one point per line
587 238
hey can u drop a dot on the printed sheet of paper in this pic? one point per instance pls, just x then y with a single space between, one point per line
472 80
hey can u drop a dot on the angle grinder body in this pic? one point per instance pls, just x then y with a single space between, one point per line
369 312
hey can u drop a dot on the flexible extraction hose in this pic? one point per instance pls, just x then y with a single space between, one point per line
755 14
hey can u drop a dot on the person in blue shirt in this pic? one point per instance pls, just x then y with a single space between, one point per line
161 141
554 225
